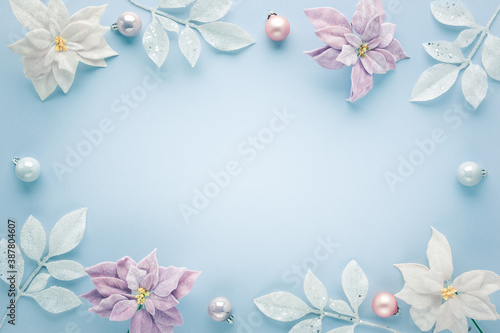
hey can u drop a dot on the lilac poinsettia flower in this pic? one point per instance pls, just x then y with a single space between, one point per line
372 51
143 292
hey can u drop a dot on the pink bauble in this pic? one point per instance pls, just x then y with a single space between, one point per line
277 27
385 305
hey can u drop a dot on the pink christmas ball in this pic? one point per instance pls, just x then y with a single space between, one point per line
385 305
277 27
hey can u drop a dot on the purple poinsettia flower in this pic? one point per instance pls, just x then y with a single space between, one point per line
373 51
143 292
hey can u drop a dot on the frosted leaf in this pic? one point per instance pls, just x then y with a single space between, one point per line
466 37
33 239
168 24
343 329
490 56
30 13
38 283
174 3
225 36
6 267
355 284
190 45
452 12
209 10
434 82
308 326
156 43
67 233
282 306
445 52
65 270
56 299
315 291
341 307
474 85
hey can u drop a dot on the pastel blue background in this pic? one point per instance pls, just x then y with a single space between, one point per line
321 179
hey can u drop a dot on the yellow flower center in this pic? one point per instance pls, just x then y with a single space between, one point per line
449 292
362 50
60 44
141 296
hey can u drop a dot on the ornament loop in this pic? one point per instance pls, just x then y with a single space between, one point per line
114 27
16 160
271 13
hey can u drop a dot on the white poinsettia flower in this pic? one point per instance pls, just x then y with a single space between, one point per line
56 43
436 300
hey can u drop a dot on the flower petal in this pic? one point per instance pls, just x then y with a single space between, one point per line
105 307
123 266
424 318
104 269
123 310
326 17
439 255
78 31
348 56
63 78
92 40
186 283
419 300
26 48
372 29
486 300
421 279
89 14
40 38
361 82
141 322
100 52
485 282
150 265
333 36
374 43
45 85
35 68
375 63
150 307
326 57
32 14
163 303
134 277
108 286
58 12
93 297
450 317
164 328
387 34
170 317
354 40
68 61
474 307
396 50
365 12
168 280
391 62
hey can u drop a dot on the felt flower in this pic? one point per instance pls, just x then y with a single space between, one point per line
143 292
436 300
373 51
56 43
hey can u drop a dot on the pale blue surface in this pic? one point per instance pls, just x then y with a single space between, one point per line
321 177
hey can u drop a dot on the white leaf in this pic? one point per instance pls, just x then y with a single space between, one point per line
174 3
315 291
30 13
225 36
434 82
282 306
474 84
445 52
343 329
5 266
355 284
33 239
452 12
168 24
307 326
491 56
156 43
209 10
38 283
190 45
56 299
65 270
341 307
466 37
67 233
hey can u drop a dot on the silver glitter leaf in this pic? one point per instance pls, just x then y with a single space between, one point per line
38 283
209 10
308 326
355 284
343 329
466 37
491 56
452 12
434 82
282 306
341 307
190 45
168 24
56 299
445 52
156 43
32 14
33 239
67 233
225 36
5 266
65 270
174 3
474 85
315 291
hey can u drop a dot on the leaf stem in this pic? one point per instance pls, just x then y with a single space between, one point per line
162 13
484 32
477 326
357 321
